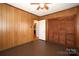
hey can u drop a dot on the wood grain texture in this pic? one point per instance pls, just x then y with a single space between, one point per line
77 32
62 31
65 13
16 26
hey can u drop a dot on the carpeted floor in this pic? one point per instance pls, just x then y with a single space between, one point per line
35 48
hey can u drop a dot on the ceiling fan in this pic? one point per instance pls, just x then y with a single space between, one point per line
41 5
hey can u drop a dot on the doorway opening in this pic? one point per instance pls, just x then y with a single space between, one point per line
40 29
35 29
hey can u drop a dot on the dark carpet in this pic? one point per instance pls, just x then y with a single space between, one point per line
35 48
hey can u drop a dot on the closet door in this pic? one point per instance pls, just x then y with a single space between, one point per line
62 30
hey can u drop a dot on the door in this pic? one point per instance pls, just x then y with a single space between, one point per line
42 29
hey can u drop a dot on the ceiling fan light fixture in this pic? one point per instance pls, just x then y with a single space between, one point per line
41 5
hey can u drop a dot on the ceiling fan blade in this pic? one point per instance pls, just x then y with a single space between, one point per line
47 3
38 7
34 3
46 7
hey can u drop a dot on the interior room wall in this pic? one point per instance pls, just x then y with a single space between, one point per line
16 26
64 13
77 27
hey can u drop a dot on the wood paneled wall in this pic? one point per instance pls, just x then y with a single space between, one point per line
65 13
62 31
16 26
77 32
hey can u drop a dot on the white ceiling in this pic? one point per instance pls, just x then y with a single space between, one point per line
53 7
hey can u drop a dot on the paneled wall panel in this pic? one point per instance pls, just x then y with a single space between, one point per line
77 27
61 14
62 31
16 26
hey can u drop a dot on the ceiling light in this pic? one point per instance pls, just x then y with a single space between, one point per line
41 5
